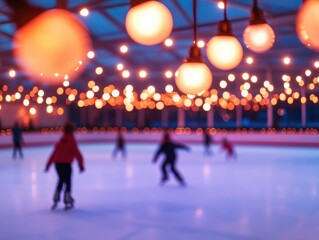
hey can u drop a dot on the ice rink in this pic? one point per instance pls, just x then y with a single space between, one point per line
269 193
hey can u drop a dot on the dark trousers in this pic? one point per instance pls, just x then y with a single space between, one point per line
64 172
171 163
17 147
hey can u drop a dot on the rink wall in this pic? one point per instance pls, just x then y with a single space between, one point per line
238 138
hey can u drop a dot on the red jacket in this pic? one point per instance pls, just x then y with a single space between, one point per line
65 151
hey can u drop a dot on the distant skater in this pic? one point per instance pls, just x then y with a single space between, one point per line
207 142
17 140
120 146
64 153
229 148
168 148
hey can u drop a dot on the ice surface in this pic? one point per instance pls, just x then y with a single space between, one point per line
269 193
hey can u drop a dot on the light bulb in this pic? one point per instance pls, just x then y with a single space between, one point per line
149 22
52 45
193 76
224 52
307 24
259 37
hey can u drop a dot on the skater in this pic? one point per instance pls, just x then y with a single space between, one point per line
207 142
168 148
64 153
17 140
120 146
229 148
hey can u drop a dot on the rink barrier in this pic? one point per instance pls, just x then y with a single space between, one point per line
258 139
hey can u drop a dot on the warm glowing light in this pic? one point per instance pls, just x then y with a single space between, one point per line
90 54
224 52
89 94
66 83
307 72
223 84
168 42
123 49
41 93
245 76
60 111
221 5
53 42
49 109
115 93
17 95
91 84
286 60
249 60
126 74
98 104
12 73
98 70
142 74
200 44
26 102
169 88
96 88
193 78
120 66
307 24
149 23
316 64
231 77
254 79
106 96
129 88
151 89
32 111
84 12
168 74
259 37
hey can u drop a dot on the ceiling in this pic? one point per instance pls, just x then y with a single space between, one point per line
106 23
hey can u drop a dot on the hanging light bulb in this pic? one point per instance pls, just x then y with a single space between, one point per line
224 50
193 76
52 46
258 35
307 24
148 22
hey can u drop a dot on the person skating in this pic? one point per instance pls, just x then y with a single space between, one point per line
207 142
17 140
120 146
168 148
229 148
64 153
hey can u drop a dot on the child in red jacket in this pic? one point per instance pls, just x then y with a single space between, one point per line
64 153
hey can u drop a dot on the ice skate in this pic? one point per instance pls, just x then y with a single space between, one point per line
68 201
56 199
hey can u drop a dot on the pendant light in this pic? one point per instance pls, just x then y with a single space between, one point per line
258 35
193 76
148 22
52 47
223 50
307 24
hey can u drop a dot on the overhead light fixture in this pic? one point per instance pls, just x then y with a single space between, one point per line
193 76
51 46
224 50
258 35
307 24
148 22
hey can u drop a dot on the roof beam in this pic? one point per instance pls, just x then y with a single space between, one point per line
113 20
182 11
